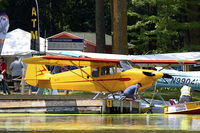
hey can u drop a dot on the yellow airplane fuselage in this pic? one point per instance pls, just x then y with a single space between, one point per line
82 79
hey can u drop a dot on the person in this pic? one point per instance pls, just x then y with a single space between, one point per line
56 69
131 93
186 94
16 68
3 72
173 101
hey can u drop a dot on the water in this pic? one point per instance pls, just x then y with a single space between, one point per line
139 123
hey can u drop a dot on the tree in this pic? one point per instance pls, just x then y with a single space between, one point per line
120 45
100 27
157 26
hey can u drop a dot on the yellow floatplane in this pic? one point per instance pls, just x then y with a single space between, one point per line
92 74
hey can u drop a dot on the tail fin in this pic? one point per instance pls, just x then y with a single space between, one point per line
35 72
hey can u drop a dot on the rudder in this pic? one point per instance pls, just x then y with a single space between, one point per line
35 72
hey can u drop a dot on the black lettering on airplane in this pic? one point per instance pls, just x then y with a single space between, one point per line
183 81
193 82
176 80
187 81
173 80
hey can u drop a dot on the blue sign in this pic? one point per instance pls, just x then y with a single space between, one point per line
64 40
65 44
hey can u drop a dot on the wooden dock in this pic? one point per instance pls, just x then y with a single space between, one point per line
65 104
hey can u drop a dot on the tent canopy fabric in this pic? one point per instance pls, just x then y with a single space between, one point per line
18 42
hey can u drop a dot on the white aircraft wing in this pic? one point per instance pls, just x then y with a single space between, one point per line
168 56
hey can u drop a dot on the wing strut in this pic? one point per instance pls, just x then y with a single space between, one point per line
156 92
164 67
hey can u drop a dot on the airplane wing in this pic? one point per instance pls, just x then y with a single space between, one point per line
168 56
164 62
142 59
65 60
83 61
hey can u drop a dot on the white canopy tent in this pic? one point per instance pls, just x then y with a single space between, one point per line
18 42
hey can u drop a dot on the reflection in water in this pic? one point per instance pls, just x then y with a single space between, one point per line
100 123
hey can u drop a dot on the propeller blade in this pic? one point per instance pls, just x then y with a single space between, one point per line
148 73
167 76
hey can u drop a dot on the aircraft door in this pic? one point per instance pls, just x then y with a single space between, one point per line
109 77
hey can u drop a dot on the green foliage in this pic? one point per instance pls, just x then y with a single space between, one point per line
154 26
80 93
159 26
55 16
190 48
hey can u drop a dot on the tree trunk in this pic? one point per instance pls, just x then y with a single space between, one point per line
120 45
100 27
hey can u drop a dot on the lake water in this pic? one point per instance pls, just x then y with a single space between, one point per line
137 123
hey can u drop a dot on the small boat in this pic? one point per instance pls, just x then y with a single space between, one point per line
184 108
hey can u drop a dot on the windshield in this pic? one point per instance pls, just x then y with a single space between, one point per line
126 64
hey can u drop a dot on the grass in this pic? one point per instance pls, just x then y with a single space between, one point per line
80 92
167 94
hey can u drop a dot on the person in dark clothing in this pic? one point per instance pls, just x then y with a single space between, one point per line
3 72
131 93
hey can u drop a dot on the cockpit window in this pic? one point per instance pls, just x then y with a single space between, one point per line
107 70
126 65
95 72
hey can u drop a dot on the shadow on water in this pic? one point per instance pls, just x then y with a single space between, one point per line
139 123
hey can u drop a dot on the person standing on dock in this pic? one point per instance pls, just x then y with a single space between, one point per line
16 67
3 72
131 93
186 94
